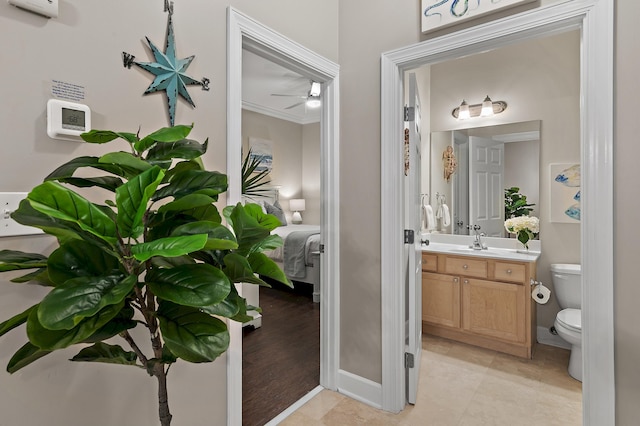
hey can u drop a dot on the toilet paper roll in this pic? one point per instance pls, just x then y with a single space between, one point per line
541 294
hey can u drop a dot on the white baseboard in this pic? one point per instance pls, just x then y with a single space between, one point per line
360 389
546 338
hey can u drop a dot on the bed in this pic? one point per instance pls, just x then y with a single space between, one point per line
299 257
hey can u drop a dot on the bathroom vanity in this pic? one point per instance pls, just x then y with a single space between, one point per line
480 297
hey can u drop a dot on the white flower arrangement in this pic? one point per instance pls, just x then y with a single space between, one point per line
525 227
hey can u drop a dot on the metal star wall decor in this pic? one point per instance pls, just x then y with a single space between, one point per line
170 72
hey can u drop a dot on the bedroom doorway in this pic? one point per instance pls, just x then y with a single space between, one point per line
247 35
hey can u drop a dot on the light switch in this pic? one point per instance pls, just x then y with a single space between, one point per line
9 202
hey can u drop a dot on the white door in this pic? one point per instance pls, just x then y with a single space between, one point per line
413 281
460 201
486 185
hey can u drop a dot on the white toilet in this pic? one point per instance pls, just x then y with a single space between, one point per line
567 282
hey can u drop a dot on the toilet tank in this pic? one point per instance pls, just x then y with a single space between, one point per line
567 283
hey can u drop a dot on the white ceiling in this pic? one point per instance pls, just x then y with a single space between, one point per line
261 78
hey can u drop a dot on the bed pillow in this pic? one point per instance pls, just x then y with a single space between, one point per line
277 211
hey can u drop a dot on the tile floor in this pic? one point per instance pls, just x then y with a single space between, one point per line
464 385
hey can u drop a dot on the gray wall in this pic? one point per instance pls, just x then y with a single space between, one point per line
84 46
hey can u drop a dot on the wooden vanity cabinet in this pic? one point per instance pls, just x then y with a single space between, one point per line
481 301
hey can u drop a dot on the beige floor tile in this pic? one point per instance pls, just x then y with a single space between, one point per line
321 404
461 385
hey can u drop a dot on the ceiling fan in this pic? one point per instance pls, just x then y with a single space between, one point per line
310 100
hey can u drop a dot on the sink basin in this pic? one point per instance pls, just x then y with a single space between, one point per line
487 251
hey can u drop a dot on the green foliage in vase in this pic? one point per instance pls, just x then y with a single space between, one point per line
515 204
155 254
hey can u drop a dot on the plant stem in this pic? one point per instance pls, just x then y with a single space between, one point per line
163 398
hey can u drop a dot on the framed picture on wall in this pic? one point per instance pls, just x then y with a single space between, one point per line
564 194
438 14
262 150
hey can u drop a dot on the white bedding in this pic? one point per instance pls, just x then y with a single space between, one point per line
312 244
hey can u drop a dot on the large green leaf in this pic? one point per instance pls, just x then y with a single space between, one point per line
168 247
193 181
132 200
68 169
187 202
110 354
190 334
272 242
61 203
238 269
121 322
57 339
219 236
27 354
15 321
104 136
110 183
248 230
78 258
191 285
186 149
125 159
39 276
266 267
68 304
166 134
12 260
183 166
234 307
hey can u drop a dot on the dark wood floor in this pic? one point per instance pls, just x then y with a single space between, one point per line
281 359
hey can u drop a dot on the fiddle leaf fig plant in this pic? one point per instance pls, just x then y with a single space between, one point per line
156 254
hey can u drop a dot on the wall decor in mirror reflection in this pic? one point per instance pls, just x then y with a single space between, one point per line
442 13
564 196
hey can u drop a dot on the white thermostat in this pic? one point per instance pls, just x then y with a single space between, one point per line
67 120
48 8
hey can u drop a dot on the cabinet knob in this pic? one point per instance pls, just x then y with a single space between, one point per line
465 266
466 281
455 280
508 271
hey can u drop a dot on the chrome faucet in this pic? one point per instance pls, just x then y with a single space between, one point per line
477 241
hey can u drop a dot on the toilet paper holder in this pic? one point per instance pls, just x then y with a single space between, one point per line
538 293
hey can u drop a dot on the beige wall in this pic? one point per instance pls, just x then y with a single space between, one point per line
539 80
84 46
626 207
311 173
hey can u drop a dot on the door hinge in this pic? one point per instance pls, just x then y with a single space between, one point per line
409 236
409 113
321 248
408 360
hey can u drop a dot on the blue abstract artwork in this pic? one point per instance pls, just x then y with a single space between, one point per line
565 194
441 13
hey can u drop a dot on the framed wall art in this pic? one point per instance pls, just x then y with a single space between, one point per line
438 14
564 194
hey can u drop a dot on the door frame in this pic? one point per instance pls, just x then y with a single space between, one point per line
245 32
595 19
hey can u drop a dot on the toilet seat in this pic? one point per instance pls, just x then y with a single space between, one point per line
571 319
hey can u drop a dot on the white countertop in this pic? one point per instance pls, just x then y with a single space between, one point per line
498 248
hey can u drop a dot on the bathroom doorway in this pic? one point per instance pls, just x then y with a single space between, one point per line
596 141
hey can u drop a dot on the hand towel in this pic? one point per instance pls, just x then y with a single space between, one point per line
446 217
428 221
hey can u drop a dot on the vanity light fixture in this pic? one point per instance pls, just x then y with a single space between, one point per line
313 100
486 109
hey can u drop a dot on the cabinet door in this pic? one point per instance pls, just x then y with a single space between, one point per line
494 309
441 299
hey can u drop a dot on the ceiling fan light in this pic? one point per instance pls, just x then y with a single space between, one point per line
313 102
315 89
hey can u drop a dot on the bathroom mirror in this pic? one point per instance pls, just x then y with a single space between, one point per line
486 161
